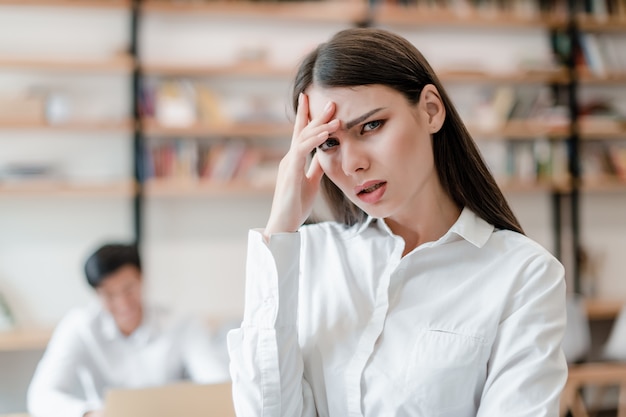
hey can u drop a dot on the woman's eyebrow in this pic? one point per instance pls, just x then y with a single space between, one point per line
354 122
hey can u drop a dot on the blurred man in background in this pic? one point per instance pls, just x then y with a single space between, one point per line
121 342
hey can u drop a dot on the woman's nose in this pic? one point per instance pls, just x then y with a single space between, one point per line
354 157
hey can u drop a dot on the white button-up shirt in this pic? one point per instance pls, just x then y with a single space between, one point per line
338 323
87 354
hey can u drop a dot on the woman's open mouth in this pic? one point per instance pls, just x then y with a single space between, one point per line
372 191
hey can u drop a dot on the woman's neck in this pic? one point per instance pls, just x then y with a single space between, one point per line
427 224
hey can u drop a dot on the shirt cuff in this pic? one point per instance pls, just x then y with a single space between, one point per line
272 275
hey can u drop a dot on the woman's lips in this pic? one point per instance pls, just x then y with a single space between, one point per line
371 191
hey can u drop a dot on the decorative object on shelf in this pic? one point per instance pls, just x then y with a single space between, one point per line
29 171
58 108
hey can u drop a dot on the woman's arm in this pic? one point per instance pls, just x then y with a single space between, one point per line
527 368
266 362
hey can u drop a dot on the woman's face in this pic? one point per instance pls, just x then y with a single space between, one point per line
381 156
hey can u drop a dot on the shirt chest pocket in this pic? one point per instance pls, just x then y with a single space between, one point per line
445 369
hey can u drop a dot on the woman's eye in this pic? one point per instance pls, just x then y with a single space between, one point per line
329 143
373 125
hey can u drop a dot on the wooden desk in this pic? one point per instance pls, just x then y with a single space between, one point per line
24 339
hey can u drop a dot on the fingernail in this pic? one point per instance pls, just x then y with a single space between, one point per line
300 98
328 105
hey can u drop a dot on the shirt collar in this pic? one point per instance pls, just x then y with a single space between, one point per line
472 228
365 224
468 226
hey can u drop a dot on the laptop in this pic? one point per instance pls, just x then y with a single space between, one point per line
184 399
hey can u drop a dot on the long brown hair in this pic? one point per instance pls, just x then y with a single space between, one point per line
366 56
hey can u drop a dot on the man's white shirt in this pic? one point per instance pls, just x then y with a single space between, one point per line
88 354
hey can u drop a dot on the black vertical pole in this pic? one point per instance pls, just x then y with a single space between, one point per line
556 223
137 138
574 148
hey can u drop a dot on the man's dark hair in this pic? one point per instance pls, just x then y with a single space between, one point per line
108 259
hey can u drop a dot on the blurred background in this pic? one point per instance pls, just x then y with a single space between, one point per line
163 122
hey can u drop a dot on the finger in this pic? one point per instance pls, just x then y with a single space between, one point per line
315 137
325 116
315 171
302 115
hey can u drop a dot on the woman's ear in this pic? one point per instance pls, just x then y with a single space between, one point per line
433 105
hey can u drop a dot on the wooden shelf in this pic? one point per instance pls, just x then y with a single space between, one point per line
604 185
599 130
588 78
526 187
522 77
123 126
244 69
246 130
598 309
116 64
57 188
164 188
24 339
590 24
101 4
523 130
425 17
325 11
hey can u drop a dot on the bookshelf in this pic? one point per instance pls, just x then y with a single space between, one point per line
416 15
117 64
600 34
520 130
243 69
199 189
124 126
276 131
66 166
100 4
319 11
56 189
558 76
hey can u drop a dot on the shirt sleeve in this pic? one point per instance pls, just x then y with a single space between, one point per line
527 368
55 390
204 355
265 359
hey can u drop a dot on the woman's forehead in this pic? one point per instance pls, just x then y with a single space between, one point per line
350 101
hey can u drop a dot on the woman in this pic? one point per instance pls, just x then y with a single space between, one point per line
424 298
